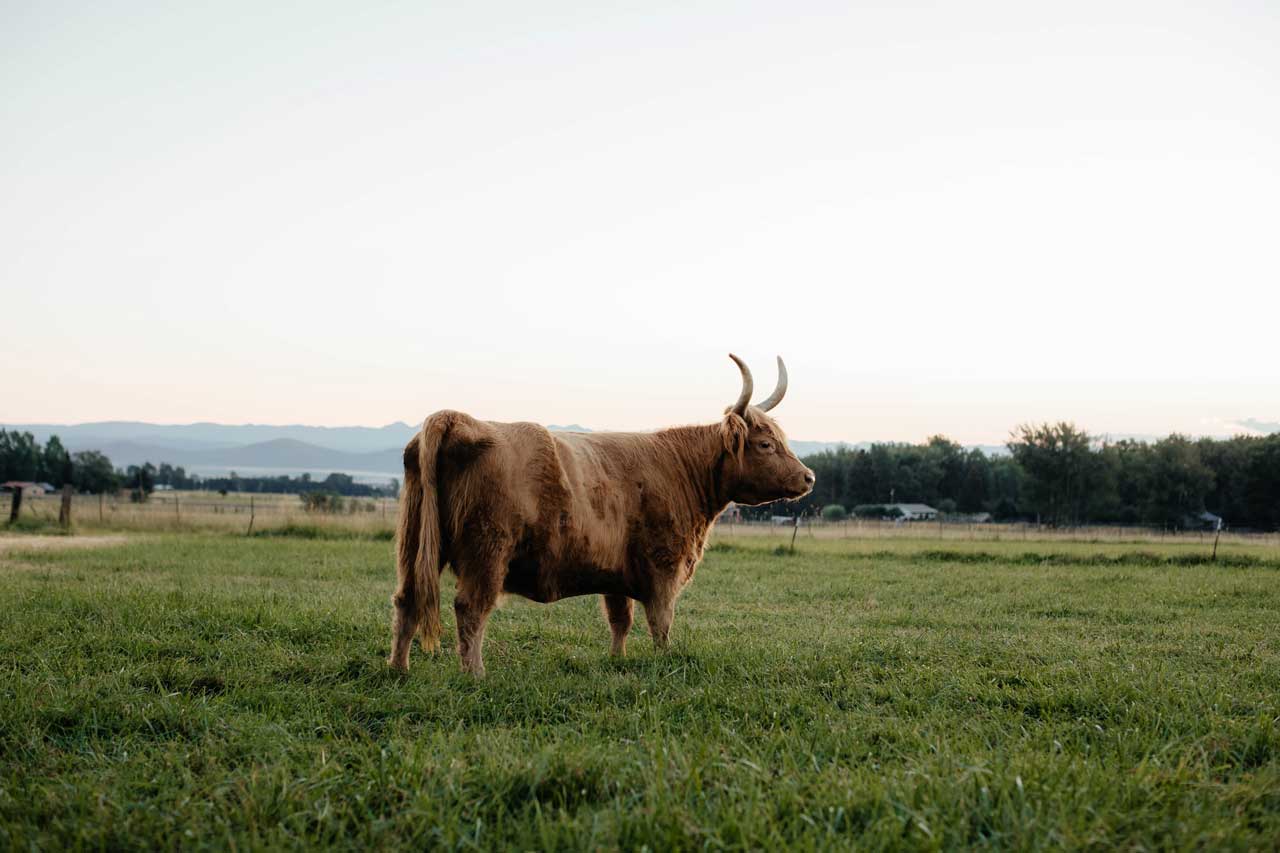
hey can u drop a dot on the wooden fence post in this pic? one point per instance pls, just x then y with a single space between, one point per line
64 512
16 506
249 532
101 498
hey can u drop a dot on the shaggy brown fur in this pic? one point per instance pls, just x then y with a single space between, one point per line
515 508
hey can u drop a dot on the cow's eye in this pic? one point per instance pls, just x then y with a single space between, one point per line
766 445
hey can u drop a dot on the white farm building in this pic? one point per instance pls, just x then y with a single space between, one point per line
914 512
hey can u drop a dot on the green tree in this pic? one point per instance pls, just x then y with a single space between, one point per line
974 490
831 468
140 481
19 456
1008 488
55 463
1176 482
339 483
1230 461
1263 489
1122 481
93 473
949 460
1061 467
166 475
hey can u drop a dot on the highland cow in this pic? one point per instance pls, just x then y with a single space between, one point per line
515 508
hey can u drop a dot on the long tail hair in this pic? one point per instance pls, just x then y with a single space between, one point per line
418 530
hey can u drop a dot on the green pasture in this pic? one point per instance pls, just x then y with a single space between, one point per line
213 691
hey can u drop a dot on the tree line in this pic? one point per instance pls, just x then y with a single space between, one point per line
22 458
1056 474
1060 475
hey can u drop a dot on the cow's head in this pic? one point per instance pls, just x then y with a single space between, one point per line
759 465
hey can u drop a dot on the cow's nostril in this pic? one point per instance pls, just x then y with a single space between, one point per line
810 478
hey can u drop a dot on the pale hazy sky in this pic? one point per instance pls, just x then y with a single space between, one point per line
946 217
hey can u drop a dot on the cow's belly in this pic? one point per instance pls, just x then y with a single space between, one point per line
545 581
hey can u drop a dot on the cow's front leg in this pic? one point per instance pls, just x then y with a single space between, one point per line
618 610
660 610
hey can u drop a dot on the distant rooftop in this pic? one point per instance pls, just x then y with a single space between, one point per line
912 509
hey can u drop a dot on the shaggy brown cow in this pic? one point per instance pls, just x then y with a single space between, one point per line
515 508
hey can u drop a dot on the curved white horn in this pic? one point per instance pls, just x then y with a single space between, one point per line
779 392
744 399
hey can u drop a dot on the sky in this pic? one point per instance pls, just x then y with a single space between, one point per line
947 218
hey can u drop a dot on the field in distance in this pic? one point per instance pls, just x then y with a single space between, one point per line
188 689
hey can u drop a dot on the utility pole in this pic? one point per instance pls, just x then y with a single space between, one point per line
16 506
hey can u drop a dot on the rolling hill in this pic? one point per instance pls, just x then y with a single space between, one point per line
371 454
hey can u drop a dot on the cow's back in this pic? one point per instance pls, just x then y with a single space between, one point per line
562 504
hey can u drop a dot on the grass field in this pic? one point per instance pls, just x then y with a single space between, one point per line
208 690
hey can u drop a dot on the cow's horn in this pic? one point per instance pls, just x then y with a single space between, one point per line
778 393
744 399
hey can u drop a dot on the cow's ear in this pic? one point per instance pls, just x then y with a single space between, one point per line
733 430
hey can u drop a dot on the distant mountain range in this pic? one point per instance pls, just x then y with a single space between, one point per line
208 436
370 454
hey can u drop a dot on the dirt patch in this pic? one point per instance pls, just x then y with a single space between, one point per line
11 544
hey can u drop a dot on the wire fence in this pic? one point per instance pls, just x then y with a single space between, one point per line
209 510
855 528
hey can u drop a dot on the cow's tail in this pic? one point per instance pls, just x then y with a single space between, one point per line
417 598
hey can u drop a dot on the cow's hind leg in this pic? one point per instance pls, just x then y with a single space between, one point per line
405 616
618 610
477 595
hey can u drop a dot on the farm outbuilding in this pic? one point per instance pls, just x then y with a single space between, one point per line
26 487
914 512
1204 521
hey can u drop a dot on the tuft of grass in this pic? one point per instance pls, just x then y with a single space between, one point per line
1128 558
35 524
723 548
217 690
294 530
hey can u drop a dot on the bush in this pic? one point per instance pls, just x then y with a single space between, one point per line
876 511
321 502
834 512
27 524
